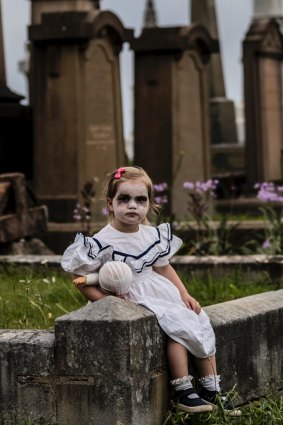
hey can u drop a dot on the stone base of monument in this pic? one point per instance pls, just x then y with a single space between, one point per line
21 220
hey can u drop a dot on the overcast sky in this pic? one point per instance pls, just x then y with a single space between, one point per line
234 17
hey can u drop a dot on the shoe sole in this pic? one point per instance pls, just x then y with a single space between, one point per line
235 412
193 409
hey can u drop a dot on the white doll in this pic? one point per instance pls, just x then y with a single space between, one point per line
114 277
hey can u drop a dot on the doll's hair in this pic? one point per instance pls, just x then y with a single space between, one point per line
129 174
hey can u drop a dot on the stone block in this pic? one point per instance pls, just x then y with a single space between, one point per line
27 361
249 342
120 344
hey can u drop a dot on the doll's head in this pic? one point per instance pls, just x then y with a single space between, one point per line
115 277
128 174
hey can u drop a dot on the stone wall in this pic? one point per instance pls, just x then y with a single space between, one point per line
106 362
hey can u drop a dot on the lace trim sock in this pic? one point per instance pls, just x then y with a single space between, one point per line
211 382
184 383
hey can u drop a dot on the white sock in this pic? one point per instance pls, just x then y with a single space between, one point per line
211 382
184 383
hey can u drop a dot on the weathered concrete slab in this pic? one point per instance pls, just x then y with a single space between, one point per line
250 343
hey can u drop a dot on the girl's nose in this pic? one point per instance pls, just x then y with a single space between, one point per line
132 203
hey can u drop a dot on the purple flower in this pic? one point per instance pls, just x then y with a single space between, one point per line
160 187
201 187
269 192
266 244
104 212
161 200
188 185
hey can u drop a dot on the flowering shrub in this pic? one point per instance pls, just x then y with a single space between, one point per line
200 195
272 195
82 212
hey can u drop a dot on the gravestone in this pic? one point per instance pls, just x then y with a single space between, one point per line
222 112
76 96
262 56
171 106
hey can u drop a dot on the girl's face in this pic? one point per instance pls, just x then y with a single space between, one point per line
130 206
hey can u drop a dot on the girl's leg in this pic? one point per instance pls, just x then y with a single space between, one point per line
206 366
210 385
178 359
207 370
185 396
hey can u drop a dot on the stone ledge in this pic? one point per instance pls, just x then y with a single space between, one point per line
74 385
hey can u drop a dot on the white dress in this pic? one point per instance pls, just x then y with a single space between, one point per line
141 250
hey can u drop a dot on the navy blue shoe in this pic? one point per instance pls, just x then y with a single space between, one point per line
219 401
183 402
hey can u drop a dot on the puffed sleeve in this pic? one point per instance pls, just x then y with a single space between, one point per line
168 246
85 255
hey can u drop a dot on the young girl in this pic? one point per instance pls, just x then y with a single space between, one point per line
146 249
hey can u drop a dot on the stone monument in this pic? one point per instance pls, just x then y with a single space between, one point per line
171 106
222 113
262 57
76 96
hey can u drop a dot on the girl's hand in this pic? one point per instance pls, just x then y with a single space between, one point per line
81 280
190 302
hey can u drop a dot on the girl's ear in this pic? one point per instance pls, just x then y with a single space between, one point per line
110 204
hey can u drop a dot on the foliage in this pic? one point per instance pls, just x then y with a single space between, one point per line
266 411
219 287
34 297
82 213
271 195
210 237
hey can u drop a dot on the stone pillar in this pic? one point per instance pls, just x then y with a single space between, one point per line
112 360
76 96
262 57
172 139
222 112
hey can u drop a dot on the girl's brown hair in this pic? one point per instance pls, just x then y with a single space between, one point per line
131 173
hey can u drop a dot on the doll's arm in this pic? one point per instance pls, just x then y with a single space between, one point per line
89 289
170 274
90 279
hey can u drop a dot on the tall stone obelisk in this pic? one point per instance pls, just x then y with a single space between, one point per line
222 112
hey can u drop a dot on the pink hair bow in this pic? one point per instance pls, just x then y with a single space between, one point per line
119 172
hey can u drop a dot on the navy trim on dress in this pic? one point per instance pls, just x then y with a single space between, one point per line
88 243
149 263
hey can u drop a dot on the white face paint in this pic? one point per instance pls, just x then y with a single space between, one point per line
129 206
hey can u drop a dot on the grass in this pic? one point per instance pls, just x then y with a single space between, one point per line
210 289
33 297
266 411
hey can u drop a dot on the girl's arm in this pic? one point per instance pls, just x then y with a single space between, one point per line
170 274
